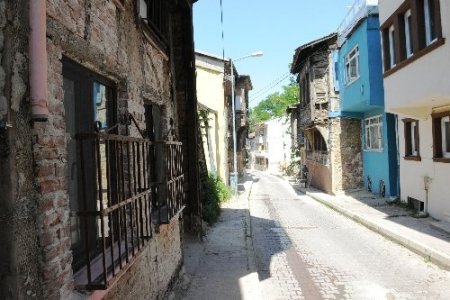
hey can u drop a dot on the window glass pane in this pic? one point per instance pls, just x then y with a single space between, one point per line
392 46
99 100
69 106
408 33
430 30
446 135
353 68
413 138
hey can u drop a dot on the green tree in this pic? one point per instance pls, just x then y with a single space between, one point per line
275 105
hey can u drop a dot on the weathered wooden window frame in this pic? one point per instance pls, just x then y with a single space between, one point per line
412 139
305 90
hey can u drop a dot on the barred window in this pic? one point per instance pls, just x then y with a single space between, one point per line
155 15
116 189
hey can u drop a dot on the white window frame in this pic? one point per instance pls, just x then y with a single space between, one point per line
373 125
428 27
445 153
391 38
352 60
408 31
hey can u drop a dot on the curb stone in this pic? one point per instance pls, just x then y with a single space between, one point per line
433 255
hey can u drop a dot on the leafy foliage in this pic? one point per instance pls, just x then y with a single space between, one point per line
216 192
275 105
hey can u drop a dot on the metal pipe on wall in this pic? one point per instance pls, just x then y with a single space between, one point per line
38 60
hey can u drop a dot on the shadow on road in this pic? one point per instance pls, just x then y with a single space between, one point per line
219 267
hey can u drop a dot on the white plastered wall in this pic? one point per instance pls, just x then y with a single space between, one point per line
414 91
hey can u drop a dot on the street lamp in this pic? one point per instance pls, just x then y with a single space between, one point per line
234 175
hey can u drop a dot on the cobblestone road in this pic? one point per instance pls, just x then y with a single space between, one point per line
305 250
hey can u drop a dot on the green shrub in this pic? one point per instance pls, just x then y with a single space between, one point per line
215 192
292 168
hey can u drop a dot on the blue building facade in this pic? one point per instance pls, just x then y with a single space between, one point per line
358 68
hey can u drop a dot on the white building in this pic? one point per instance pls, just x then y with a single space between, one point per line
271 145
416 55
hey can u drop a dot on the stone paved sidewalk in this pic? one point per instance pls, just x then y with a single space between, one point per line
425 236
222 266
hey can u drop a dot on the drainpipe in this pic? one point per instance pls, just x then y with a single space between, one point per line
38 60
397 138
426 180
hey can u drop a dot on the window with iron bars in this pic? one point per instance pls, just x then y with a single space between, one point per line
154 14
125 209
114 194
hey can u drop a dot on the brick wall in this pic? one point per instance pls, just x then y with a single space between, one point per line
156 269
107 41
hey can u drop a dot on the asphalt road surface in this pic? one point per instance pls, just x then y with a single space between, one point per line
305 250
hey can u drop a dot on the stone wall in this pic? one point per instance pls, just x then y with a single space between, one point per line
346 156
20 251
34 220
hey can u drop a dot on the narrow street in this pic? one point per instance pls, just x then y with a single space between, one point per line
305 250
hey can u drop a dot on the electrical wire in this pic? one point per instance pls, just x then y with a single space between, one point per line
261 96
269 85
223 30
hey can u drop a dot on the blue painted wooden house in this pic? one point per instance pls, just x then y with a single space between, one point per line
358 68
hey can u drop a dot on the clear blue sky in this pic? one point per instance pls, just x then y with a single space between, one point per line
275 27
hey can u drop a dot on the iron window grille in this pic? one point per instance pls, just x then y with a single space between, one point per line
124 210
154 14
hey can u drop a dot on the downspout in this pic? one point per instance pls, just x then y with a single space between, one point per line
38 60
397 138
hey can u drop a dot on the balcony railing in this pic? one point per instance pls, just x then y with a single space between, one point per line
124 190
359 10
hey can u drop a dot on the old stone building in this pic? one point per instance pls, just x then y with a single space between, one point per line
242 86
98 146
332 147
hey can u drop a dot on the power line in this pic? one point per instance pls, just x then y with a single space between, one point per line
268 88
223 30
261 96
269 85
